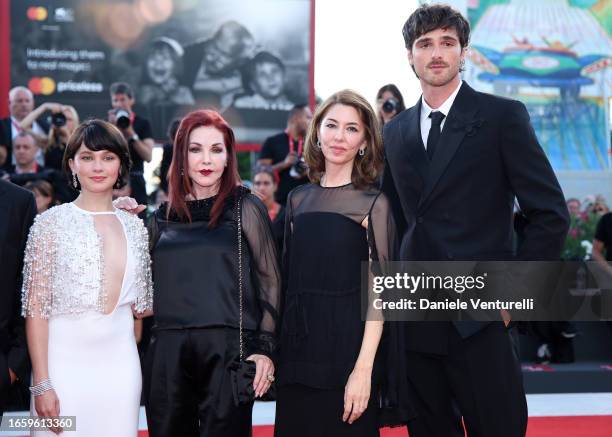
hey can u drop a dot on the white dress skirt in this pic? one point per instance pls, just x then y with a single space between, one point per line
95 369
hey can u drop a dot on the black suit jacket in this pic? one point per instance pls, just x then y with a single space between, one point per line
459 205
17 212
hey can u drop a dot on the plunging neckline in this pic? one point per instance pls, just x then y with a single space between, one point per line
101 242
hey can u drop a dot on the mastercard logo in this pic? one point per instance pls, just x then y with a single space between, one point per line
37 13
42 85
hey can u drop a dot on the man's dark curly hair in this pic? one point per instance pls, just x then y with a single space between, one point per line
431 17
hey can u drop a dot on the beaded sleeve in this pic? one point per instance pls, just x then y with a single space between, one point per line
38 270
140 242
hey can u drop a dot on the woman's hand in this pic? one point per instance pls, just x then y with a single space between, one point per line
128 204
53 107
47 405
357 393
264 375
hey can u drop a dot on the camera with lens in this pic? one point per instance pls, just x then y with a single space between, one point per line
122 119
58 119
390 105
299 169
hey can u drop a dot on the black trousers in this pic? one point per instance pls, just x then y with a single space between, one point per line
480 379
187 388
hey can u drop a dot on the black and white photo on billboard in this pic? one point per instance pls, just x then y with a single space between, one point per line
247 59
162 73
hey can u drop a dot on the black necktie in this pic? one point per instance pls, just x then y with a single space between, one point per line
434 132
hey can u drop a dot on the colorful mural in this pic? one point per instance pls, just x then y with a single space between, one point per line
556 57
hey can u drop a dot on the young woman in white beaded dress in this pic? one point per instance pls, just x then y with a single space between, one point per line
86 275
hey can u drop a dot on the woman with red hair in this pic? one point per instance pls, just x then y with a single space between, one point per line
204 293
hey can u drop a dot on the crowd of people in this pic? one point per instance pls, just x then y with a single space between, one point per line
33 142
250 288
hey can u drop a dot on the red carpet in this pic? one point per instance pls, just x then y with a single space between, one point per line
572 426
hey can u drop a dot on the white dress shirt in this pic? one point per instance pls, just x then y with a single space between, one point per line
426 110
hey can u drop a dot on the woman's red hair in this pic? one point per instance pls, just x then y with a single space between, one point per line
179 184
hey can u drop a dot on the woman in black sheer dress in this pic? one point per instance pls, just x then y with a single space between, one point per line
328 369
194 249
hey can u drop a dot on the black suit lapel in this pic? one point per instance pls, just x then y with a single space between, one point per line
413 151
461 115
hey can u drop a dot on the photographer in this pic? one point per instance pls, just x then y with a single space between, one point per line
389 103
21 103
137 132
63 120
284 152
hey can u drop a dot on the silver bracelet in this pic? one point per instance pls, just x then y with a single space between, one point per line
41 387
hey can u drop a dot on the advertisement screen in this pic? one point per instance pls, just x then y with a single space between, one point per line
248 60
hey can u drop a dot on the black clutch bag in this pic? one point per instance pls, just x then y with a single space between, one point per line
242 372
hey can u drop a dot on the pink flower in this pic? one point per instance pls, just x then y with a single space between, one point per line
573 233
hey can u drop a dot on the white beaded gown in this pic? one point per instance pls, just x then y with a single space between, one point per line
83 271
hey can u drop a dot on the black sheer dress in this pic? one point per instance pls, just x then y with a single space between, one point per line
322 331
196 304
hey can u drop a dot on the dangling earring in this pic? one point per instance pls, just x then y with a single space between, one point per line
182 174
74 181
117 182
361 152
318 144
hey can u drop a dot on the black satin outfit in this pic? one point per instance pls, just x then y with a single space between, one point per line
196 304
322 331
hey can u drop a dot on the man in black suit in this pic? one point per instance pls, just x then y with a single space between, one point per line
21 103
17 211
454 164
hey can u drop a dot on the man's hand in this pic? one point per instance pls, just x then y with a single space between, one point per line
13 376
53 107
112 117
128 132
506 317
290 159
